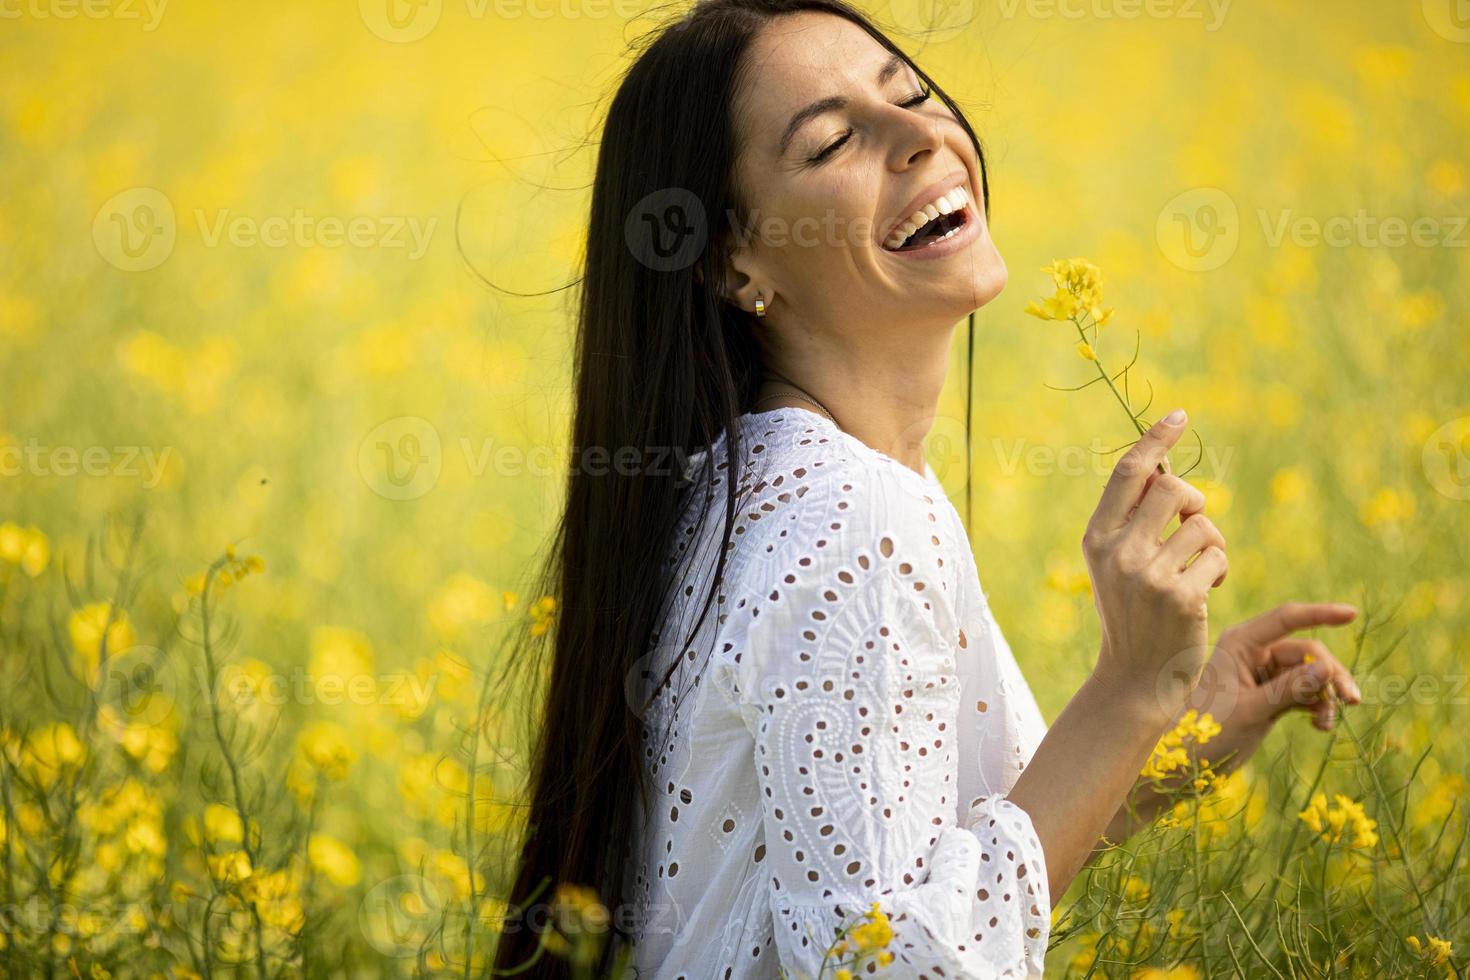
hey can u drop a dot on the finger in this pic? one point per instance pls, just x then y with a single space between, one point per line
1323 712
1278 622
1167 495
1302 686
1196 532
1295 650
1129 477
1209 569
1192 505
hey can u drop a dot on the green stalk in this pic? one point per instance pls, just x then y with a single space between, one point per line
1097 363
224 748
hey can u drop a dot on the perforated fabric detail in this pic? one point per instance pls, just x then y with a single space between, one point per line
842 731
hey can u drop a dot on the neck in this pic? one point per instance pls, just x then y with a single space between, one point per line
888 399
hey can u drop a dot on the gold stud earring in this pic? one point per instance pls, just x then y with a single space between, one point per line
760 306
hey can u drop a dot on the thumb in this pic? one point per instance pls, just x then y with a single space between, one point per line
1133 472
1300 686
1167 430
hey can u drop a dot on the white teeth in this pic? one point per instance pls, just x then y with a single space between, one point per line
946 203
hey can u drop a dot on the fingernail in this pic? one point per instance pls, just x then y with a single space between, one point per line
1357 694
1174 417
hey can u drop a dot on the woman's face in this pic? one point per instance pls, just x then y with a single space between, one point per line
836 157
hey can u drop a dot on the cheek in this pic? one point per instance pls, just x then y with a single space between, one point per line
822 238
837 219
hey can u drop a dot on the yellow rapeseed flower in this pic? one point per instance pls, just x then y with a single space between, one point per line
12 542
233 570
277 896
462 601
222 824
27 547
543 610
51 751
1078 291
1181 972
1438 952
342 656
874 934
1387 506
334 859
230 867
326 748
94 625
1330 822
1170 754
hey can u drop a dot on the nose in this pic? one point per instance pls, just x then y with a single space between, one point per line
916 136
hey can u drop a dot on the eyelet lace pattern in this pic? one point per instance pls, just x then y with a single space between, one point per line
842 729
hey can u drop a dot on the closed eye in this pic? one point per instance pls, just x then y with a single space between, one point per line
831 148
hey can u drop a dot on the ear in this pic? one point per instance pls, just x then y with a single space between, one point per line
744 280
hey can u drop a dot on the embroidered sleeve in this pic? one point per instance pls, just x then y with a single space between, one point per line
845 675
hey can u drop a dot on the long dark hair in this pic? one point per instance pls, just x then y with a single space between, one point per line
664 368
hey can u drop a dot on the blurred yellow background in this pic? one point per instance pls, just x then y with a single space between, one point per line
243 250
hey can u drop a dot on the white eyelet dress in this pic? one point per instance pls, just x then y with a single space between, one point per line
842 730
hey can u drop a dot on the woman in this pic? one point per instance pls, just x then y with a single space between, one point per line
778 695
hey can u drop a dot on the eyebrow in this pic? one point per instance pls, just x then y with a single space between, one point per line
890 68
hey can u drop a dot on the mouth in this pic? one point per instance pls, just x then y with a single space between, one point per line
941 219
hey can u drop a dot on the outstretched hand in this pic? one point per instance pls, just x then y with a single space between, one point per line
1259 671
